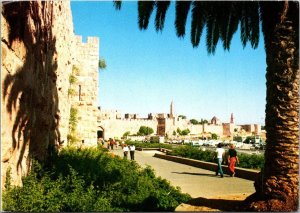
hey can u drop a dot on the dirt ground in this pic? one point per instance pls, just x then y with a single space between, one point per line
220 203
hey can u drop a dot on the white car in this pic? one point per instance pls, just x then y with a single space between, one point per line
201 142
206 143
246 146
195 143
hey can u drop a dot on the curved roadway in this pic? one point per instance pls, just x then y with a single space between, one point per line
194 181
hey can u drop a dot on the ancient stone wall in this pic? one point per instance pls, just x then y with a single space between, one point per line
85 94
218 129
115 128
36 62
228 129
39 53
182 124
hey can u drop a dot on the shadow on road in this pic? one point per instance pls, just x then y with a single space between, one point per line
220 204
193 173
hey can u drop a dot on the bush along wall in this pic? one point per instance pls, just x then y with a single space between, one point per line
249 161
81 180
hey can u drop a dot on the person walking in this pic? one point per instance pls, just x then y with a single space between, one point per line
132 150
220 152
125 151
232 159
112 143
108 143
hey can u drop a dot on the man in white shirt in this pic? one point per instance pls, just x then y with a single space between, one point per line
132 149
125 151
220 152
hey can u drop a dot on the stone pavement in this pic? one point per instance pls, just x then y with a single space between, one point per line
194 181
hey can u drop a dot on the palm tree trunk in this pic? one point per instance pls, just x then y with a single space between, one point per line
279 183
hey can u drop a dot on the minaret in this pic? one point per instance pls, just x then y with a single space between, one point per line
171 110
231 119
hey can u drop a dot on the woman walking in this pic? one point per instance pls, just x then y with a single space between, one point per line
232 159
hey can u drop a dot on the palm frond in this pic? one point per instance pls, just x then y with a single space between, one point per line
244 27
162 7
210 37
212 26
233 23
117 4
182 10
145 9
254 23
250 23
228 22
198 22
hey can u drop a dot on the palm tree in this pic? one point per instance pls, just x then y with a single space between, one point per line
277 188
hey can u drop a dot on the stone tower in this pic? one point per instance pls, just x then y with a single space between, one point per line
231 119
171 110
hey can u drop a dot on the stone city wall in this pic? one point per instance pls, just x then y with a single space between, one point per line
115 128
228 129
36 62
182 124
217 129
85 89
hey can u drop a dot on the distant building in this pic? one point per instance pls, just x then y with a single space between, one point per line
112 125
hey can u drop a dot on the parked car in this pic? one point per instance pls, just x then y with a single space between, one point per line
206 143
195 143
201 142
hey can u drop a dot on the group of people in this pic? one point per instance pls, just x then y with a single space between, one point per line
111 143
126 149
130 149
232 159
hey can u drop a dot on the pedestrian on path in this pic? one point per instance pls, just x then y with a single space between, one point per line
125 151
108 143
220 152
112 143
132 150
232 159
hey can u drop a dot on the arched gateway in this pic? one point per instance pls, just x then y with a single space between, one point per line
100 132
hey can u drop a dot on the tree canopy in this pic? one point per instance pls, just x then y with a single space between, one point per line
145 130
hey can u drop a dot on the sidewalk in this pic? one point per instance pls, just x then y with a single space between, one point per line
194 181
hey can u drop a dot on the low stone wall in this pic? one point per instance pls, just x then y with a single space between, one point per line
248 174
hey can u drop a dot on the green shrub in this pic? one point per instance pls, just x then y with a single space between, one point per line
7 184
145 130
253 161
71 92
249 161
75 70
183 132
72 79
73 120
126 134
214 136
92 180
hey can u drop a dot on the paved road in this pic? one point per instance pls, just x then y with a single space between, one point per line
195 181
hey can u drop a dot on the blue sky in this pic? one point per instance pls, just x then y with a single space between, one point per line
147 70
